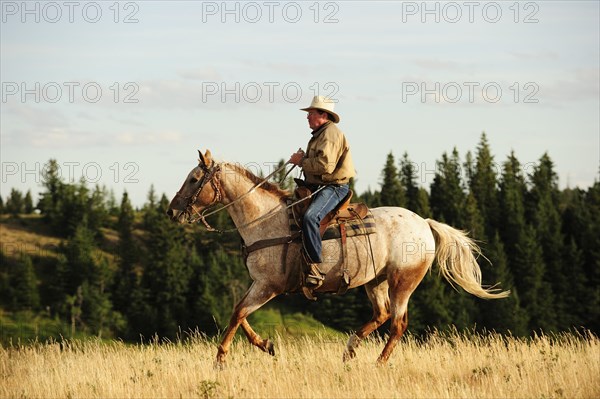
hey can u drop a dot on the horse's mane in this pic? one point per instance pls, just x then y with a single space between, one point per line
267 186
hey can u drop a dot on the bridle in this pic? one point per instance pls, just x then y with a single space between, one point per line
210 174
208 177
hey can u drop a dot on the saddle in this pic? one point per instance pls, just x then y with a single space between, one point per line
343 212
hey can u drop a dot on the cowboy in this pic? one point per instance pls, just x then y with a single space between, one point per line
327 166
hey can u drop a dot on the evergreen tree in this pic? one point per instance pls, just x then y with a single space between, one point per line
505 315
447 198
534 291
450 204
28 203
1 205
429 305
483 187
167 272
111 204
97 213
591 255
372 199
474 222
417 199
544 205
15 204
392 192
423 203
83 277
50 200
580 230
512 209
126 280
22 285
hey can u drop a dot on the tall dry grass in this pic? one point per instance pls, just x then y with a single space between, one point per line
453 366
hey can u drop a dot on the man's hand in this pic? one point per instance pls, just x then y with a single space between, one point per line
297 157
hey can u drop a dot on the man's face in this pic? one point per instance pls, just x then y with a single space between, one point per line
316 118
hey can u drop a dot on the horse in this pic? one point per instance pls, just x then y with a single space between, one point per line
390 263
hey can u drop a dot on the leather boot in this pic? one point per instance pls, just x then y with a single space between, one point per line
313 280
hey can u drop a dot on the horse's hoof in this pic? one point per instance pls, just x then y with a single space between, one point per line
220 362
349 355
219 365
381 362
269 347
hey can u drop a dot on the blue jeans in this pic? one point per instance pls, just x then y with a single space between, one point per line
322 203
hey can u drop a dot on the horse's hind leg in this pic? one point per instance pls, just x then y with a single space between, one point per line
379 297
256 296
402 286
263 344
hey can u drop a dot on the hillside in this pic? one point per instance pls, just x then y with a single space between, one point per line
30 235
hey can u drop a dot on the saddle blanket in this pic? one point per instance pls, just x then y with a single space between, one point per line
354 227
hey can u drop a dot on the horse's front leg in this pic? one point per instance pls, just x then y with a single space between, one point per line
257 295
263 344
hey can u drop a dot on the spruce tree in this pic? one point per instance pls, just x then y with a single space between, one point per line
392 192
447 199
591 255
28 203
83 277
429 305
450 204
416 198
22 284
504 315
534 291
511 204
127 250
167 272
484 187
50 200
14 203
544 205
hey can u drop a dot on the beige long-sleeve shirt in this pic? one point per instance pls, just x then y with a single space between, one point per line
328 158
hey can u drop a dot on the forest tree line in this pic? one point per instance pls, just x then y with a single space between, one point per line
157 277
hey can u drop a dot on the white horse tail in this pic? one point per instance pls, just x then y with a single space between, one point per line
456 256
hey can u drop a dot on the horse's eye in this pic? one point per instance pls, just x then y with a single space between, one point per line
193 180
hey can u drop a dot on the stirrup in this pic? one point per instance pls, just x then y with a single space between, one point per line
308 293
311 283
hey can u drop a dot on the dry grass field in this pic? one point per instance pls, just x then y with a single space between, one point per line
453 366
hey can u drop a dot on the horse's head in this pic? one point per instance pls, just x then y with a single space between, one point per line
199 191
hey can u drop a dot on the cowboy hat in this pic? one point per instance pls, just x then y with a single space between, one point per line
323 104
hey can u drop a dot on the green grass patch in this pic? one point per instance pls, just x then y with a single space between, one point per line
22 328
271 321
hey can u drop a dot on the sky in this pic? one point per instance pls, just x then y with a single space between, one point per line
123 94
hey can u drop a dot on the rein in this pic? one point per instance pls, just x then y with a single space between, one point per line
209 176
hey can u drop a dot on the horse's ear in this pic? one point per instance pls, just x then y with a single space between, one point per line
208 158
201 159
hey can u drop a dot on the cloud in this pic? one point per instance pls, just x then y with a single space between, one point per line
138 138
437 64
538 56
207 73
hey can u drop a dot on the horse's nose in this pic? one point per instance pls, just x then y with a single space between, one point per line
170 213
